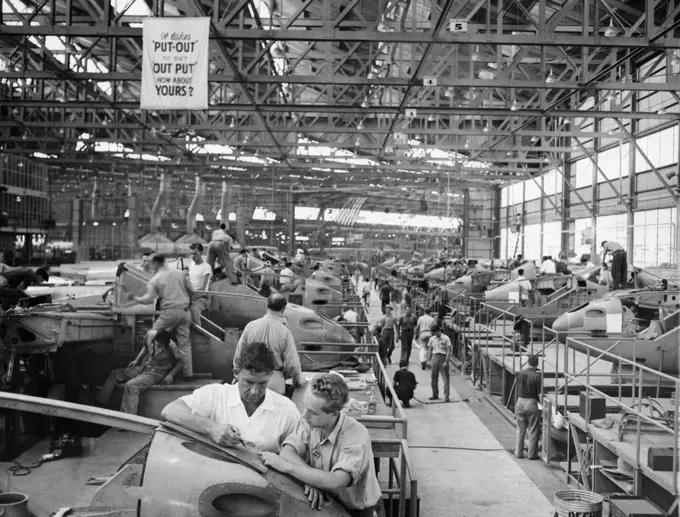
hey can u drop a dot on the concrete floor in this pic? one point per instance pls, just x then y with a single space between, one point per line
461 451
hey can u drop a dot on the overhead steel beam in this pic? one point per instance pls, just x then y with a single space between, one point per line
475 36
332 110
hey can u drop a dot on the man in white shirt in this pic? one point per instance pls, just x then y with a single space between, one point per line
286 278
423 334
244 414
548 266
199 276
441 347
349 315
619 267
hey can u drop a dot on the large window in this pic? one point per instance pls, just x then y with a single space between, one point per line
532 241
612 228
584 172
552 238
660 148
654 239
552 183
614 162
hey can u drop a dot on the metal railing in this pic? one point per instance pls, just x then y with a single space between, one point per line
639 371
402 472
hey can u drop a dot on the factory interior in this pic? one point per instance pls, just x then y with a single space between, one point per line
341 258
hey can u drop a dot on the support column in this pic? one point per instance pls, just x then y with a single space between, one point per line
291 223
541 214
497 224
564 207
677 210
132 221
523 219
225 204
466 221
593 196
76 223
241 217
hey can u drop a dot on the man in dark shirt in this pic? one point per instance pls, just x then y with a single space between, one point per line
385 294
529 383
158 361
407 328
404 383
22 277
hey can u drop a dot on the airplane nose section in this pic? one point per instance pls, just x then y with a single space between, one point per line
561 323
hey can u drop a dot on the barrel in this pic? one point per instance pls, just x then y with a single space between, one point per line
577 503
14 504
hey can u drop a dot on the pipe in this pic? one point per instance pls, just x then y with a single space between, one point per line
93 199
161 200
224 204
196 205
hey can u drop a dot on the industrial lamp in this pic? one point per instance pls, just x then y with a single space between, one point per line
476 55
675 60
551 77
514 106
611 31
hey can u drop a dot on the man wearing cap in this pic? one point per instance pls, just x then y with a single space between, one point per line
441 347
241 266
619 268
199 276
157 362
219 249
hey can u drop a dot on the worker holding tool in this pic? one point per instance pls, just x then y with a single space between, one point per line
242 414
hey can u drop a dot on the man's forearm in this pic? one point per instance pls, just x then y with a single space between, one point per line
180 414
144 300
175 369
321 479
288 454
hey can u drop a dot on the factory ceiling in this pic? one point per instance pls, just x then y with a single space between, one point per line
323 95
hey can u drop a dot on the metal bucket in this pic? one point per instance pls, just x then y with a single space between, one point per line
14 504
577 503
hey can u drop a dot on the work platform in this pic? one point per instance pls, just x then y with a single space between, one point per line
613 459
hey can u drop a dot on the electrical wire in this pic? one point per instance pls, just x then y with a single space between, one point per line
20 470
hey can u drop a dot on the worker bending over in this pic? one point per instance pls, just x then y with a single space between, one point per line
619 268
246 413
157 362
199 276
271 329
219 249
330 452
173 289
527 414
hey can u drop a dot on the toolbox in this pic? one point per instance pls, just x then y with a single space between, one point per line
598 406
660 459
633 507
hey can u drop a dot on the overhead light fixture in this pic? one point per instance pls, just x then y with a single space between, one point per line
534 139
675 60
611 31
364 104
551 77
486 75
487 128
610 132
514 106
232 124
575 145
546 159
662 111
360 126
467 144
476 55
431 118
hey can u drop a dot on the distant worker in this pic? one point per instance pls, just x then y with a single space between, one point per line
241 266
146 267
330 452
199 276
267 277
443 254
388 331
157 362
561 267
272 331
404 383
548 266
385 295
619 268
441 347
20 278
219 248
244 413
527 414
606 276
586 263
366 292
525 288
3 267
348 315
173 289
287 278
519 260
406 327
423 335
256 254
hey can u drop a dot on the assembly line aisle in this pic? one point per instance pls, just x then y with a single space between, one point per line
461 467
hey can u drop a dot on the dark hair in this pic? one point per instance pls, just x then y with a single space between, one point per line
436 328
42 274
196 246
243 251
158 258
533 360
223 226
162 337
603 243
519 256
520 271
288 263
403 363
333 389
146 253
256 357
276 302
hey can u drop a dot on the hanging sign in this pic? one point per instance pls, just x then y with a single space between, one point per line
175 63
